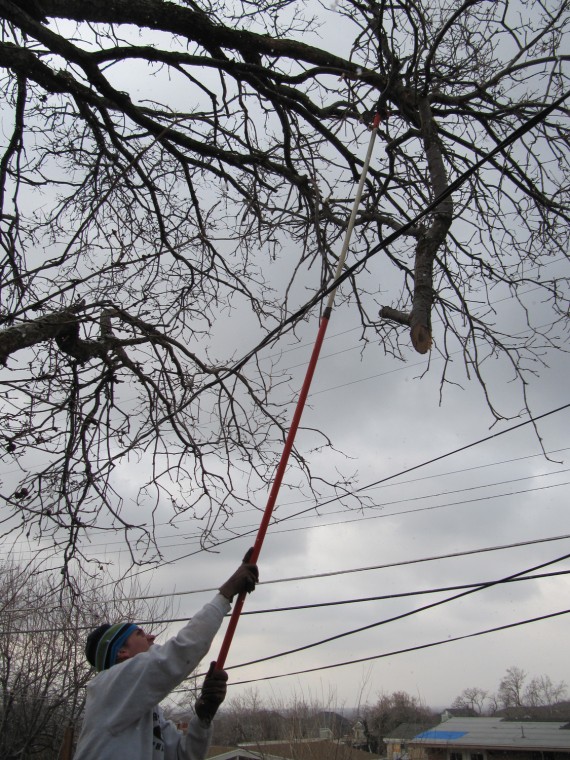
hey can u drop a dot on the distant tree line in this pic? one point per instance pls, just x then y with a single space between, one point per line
249 719
518 696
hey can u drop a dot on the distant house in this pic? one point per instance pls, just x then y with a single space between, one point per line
398 742
495 739
325 725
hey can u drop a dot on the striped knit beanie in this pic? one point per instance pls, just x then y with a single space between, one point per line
104 643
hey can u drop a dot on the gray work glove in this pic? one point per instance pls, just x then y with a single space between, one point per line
243 580
212 695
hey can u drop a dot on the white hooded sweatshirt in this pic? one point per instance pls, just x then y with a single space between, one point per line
122 720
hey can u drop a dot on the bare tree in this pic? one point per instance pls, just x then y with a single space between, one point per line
43 670
511 687
542 692
518 698
473 698
162 158
389 711
248 719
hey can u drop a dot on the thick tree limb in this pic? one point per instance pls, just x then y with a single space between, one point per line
61 326
430 239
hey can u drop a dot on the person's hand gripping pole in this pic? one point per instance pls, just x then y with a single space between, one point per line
240 584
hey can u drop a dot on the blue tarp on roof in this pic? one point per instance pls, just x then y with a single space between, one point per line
442 736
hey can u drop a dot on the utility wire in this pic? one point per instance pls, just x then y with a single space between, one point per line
384 566
351 270
531 420
402 615
381 515
296 607
387 478
441 456
407 500
185 537
386 485
297 578
401 651
306 344
276 530
417 510
400 595
394 475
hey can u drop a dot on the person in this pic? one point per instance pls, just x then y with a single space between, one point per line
122 719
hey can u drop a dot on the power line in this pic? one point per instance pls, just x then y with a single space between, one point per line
402 230
445 456
383 245
386 597
507 141
349 571
387 515
402 615
298 607
328 338
409 499
395 652
437 320
383 485
394 475
417 510
383 516
531 420
347 510
384 566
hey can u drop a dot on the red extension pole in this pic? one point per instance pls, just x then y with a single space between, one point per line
236 612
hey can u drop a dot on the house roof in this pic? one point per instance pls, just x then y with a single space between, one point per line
304 750
459 712
497 733
216 750
236 753
405 731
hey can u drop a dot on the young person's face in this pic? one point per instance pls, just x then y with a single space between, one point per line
138 642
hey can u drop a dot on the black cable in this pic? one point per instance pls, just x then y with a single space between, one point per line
373 484
297 607
297 578
384 597
436 459
370 485
401 616
401 651
417 510
187 536
408 500
349 271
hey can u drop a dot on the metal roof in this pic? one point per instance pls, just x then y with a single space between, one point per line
497 733
405 731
